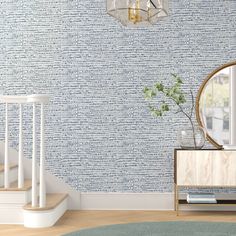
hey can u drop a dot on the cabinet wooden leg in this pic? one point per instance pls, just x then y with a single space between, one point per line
176 200
175 197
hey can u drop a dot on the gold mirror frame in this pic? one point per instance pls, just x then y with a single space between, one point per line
198 116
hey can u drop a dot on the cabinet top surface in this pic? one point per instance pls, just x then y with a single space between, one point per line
202 150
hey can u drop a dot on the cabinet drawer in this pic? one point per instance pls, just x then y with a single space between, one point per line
206 168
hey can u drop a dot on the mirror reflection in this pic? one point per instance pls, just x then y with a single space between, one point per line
217 106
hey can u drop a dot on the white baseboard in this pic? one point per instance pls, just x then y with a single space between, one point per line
127 201
140 201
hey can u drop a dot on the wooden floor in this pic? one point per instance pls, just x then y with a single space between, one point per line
75 220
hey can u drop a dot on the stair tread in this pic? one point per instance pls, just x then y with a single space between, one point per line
52 201
11 166
14 186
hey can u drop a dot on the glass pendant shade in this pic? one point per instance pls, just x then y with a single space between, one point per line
138 12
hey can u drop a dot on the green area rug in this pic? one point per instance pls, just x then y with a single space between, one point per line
161 229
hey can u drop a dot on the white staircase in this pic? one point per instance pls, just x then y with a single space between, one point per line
16 208
24 197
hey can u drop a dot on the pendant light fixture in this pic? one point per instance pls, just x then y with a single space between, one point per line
137 12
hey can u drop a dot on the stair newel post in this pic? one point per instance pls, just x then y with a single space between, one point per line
42 186
34 164
20 158
6 161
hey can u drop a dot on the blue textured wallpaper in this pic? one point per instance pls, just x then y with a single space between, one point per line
101 136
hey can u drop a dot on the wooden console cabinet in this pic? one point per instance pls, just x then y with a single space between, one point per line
204 169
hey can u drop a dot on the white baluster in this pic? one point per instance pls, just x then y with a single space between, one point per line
42 187
6 161
20 161
34 167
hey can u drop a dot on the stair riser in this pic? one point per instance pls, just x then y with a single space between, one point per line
15 197
11 214
13 176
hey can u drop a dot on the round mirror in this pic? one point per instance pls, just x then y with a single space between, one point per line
216 106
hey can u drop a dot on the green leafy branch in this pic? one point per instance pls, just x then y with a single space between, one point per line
174 94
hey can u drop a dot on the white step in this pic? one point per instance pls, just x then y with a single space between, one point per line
12 176
15 195
36 217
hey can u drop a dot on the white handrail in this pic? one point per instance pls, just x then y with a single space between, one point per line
34 99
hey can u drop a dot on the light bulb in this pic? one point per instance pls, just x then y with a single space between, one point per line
134 12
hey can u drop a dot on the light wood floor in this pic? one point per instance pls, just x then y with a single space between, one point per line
75 220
